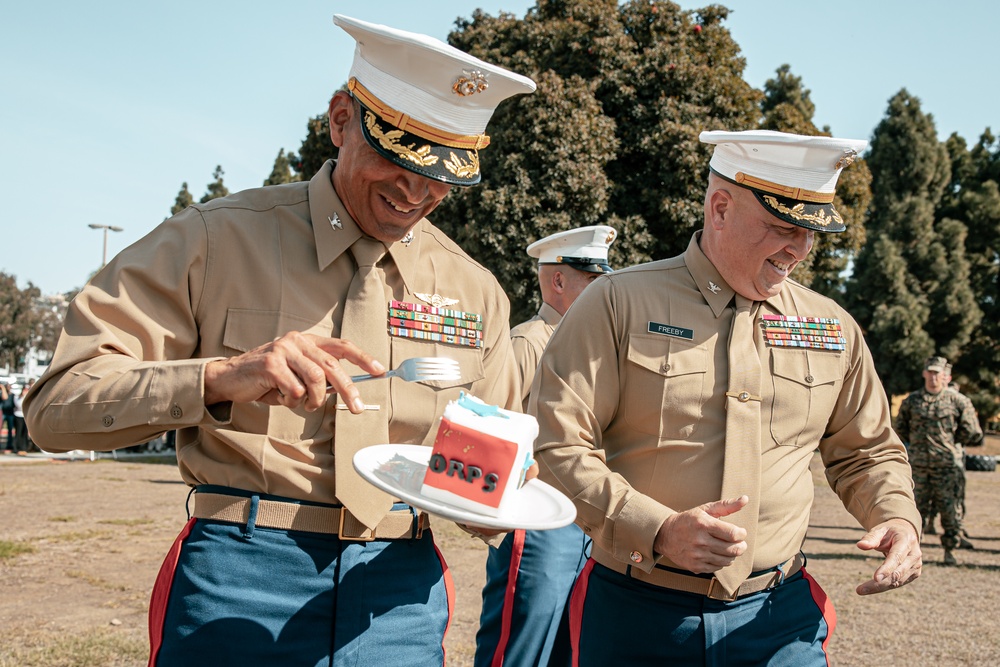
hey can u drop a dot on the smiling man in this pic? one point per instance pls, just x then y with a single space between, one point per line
680 404
229 321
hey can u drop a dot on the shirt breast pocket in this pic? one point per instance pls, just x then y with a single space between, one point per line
249 329
665 385
417 405
806 386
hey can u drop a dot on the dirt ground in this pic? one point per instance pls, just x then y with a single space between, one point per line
81 542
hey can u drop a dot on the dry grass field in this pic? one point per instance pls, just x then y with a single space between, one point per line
81 542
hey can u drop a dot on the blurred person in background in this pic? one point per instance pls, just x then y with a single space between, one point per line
22 443
937 423
7 403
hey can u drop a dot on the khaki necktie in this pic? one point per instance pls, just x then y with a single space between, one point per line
364 324
741 473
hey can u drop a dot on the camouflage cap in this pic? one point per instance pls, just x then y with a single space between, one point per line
936 364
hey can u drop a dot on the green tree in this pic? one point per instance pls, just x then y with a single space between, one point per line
183 199
50 313
610 137
216 188
281 172
910 289
316 147
18 320
787 107
973 197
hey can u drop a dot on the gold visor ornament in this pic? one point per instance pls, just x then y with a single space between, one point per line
470 83
849 157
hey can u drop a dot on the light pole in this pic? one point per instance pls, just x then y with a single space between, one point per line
104 255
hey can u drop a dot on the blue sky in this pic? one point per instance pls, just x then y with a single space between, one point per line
107 107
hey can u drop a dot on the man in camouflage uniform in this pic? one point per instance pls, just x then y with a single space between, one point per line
937 423
929 528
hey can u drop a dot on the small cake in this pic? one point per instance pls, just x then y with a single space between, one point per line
480 455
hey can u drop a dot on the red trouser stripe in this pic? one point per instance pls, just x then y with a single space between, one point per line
161 593
576 602
826 609
516 551
449 587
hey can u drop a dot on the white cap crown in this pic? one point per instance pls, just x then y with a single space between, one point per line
585 248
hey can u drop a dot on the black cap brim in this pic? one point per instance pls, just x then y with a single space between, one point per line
817 217
454 166
587 267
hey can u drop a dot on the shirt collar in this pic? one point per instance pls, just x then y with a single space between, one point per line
335 230
716 291
549 315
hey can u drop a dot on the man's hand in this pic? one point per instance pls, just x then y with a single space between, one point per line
898 540
291 370
699 541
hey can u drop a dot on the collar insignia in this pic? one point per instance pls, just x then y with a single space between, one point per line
408 239
436 300
335 221
713 288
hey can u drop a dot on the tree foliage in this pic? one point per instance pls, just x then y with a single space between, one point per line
787 107
183 199
19 320
281 172
973 197
610 137
216 188
316 147
910 289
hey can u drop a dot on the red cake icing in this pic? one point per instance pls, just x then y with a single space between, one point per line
471 464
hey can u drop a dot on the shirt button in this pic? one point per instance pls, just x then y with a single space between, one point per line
107 420
665 367
809 378
176 412
636 557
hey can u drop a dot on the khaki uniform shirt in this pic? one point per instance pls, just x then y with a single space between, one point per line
633 423
529 339
228 276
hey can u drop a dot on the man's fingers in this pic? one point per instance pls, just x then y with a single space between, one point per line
897 539
721 508
346 350
316 362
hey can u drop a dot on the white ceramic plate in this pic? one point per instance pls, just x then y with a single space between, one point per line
399 470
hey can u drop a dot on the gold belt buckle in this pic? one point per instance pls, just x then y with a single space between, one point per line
721 594
353 538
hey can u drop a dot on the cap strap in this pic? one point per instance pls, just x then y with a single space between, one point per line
404 122
798 194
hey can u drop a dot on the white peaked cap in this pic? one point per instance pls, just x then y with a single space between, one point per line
584 248
794 176
417 75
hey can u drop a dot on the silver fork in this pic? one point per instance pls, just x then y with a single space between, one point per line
417 369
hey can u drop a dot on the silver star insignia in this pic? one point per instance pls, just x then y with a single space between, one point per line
408 239
715 289
436 300
335 221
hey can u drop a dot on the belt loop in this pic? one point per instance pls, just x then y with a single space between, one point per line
187 503
781 573
416 529
251 517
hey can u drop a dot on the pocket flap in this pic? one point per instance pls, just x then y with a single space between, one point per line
666 356
249 329
806 368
